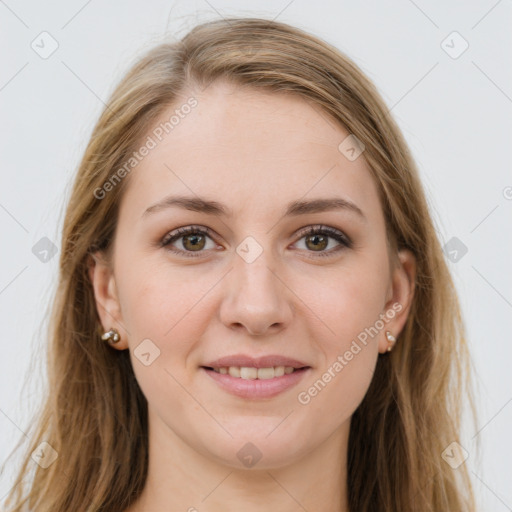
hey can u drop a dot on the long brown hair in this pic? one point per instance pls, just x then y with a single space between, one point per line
95 415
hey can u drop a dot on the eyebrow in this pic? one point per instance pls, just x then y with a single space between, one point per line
295 208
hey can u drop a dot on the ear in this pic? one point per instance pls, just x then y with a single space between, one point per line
400 296
105 294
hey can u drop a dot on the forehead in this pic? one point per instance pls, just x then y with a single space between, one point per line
254 151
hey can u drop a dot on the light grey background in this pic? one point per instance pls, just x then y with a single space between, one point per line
455 114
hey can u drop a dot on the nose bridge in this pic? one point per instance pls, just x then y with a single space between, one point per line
255 297
255 279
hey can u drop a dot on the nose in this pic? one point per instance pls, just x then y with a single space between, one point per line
256 299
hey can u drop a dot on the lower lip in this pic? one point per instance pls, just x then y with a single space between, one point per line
256 388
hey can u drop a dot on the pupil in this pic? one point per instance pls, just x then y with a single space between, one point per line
319 241
194 240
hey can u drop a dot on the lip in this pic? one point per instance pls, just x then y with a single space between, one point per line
267 361
254 389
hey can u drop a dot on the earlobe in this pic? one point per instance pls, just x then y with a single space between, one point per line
105 294
402 286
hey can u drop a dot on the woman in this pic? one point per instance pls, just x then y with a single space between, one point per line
253 309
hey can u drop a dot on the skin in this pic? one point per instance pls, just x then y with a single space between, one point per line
254 152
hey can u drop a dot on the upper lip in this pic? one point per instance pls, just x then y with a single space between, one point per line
242 360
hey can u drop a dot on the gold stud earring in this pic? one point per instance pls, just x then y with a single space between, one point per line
111 336
391 340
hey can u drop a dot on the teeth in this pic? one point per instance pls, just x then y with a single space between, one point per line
234 371
250 373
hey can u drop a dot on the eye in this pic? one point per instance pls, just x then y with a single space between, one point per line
316 239
193 240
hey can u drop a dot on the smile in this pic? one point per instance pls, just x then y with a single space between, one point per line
251 373
246 382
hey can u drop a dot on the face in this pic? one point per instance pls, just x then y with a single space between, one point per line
255 274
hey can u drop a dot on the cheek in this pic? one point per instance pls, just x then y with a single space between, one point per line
348 299
350 307
349 303
153 297
162 313
167 306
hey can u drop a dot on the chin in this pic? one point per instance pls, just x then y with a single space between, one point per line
265 448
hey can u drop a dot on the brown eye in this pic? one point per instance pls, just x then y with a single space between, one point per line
316 242
189 241
193 242
317 239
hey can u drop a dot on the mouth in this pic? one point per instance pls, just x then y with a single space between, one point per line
252 383
252 373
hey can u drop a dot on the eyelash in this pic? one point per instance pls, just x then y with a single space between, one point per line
340 237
